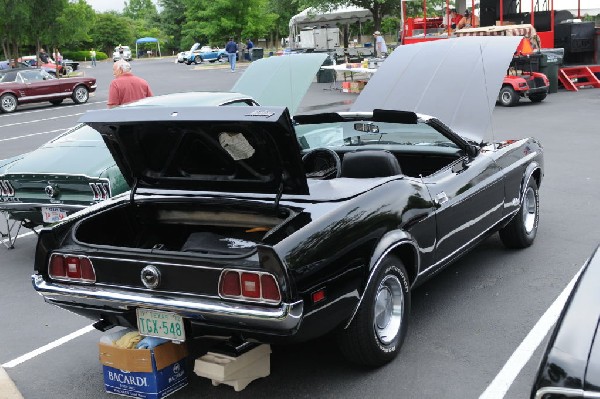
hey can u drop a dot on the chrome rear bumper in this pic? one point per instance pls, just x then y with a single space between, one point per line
214 311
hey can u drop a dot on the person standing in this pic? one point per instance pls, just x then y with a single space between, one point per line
93 57
380 46
43 56
451 19
470 20
126 87
249 46
231 49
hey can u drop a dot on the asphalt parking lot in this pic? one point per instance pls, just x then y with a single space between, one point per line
475 327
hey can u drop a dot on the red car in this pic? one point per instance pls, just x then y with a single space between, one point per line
21 86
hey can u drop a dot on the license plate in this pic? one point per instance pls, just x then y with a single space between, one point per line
154 323
52 215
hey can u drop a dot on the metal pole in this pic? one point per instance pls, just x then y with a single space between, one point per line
424 18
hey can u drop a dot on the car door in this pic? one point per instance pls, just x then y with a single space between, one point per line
39 86
469 196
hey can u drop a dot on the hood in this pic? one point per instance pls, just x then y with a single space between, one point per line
231 149
455 80
280 81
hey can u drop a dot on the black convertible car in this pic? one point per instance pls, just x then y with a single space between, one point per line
570 367
244 223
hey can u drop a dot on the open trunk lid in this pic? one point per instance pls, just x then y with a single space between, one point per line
245 149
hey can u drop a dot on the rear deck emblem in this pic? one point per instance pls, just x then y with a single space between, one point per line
150 276
51 191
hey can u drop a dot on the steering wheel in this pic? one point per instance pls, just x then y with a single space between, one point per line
322 164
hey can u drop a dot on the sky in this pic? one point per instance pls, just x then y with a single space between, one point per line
108 5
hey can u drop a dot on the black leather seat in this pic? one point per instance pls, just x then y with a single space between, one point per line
366 164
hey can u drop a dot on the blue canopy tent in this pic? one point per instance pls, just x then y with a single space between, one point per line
146 40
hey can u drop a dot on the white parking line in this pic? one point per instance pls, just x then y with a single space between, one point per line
32 134
47 347
41 120
500 385
51 109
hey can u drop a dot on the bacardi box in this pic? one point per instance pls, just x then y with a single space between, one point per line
144 373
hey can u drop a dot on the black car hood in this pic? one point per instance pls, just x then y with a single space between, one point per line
233 149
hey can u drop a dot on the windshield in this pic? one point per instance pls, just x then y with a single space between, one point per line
367 133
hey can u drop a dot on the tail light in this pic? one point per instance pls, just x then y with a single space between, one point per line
6 189
101 191
250 286
71 268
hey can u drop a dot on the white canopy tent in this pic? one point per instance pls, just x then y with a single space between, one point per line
313 17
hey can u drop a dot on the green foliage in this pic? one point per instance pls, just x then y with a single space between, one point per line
214 21
172 17
73 24
140 10
110 30
83 55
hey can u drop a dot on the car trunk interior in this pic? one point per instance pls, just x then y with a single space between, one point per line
207 229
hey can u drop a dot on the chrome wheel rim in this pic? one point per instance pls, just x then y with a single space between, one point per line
81 95
389 309
529 210
9 103
506 97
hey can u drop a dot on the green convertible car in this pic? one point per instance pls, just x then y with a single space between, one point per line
76 170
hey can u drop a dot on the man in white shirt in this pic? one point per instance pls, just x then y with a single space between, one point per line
380 46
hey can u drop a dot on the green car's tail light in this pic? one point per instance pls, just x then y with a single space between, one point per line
6 189
101 191
71 268
249 286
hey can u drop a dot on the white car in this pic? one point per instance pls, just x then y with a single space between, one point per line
181 57
122 52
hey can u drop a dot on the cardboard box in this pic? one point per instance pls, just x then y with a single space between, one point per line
144 373
357 86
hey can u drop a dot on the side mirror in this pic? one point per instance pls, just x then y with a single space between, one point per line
472 151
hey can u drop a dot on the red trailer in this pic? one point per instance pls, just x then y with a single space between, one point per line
555 28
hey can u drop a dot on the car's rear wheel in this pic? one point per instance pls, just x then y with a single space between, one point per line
80 94
375 335
508 97
537 98
56 102
68 70
520 232
8 103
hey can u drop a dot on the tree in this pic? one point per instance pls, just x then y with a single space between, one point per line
110 30
172 18
284 10
14 21
73 24
42 26
140 10
214 21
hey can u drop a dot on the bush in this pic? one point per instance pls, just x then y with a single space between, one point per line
83 55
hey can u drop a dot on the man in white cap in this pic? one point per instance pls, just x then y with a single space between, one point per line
380 46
